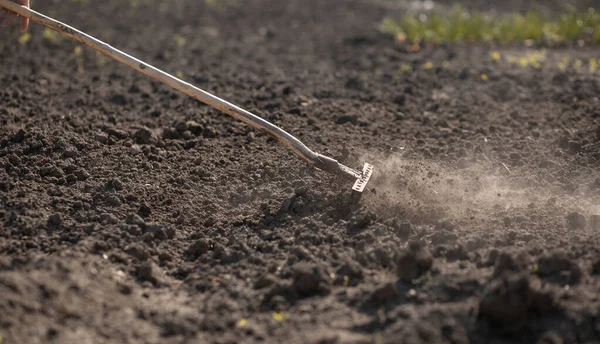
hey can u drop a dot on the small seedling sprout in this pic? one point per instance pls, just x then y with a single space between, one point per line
24 38
51 35
593 65
495 56
78 51
280 316
179 40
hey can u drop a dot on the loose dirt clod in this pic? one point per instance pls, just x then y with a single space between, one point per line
386 292
198 248
143 136
55 220
402 229
414 262
349 274
118 133
101 137
596 267
135 219
139 251
106 218
151 272
576 220
508 302
309 280
505 263
595 222
558 268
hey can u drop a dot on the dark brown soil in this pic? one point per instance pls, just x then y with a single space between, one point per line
133 214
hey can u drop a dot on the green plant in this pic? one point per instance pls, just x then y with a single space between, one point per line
78 52
24 38
459 25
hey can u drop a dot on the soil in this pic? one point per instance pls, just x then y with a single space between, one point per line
133 214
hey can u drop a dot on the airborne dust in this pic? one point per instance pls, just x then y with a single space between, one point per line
477 195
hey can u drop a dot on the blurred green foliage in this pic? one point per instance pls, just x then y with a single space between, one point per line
458 24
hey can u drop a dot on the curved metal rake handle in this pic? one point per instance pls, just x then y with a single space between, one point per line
317 160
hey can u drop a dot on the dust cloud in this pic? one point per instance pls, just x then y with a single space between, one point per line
426 192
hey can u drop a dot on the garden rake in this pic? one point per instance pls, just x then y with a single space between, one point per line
317 160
